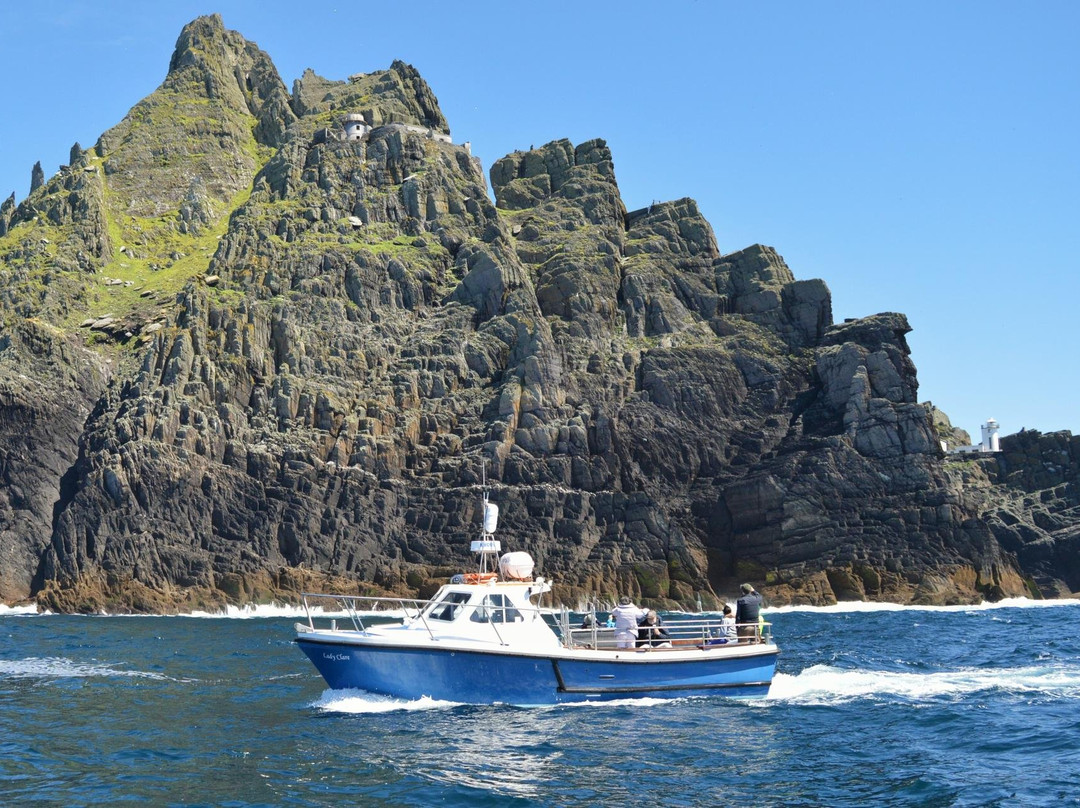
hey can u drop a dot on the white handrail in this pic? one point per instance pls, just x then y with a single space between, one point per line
704 633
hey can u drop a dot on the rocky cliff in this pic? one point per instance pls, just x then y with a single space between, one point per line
244 353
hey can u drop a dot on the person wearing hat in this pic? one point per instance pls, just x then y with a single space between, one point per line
651 633
747 614
626 616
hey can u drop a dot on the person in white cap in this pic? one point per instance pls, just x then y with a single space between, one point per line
626 616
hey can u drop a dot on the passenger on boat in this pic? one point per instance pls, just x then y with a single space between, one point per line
748 613
626 616
651 633
588 622
726 632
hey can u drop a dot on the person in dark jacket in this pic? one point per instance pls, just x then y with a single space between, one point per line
651 633
747 614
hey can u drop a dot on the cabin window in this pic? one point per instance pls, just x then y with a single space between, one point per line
449 608
496 609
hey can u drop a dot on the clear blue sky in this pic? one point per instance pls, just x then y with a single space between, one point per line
919 156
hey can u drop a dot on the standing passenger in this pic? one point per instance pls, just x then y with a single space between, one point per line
747 614
626 616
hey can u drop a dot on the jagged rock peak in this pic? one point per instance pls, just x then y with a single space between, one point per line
520 179
37 177
232 69
7 209
220 91
206 42
412 82
887 327
396 95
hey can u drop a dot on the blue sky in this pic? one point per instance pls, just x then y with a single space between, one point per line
919 157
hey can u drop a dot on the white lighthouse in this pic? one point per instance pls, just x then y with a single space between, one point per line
990 436
355 126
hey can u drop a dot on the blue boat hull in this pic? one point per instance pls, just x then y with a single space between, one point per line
477 677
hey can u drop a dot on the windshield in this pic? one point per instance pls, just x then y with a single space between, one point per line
496 609
450 607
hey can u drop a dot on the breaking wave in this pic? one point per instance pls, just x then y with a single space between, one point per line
273 610
252 611
249 612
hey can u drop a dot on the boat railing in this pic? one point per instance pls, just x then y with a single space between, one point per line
362 611
680 632
357 608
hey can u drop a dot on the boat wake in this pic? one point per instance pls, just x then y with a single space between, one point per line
359 702
823 684
871 606
62 668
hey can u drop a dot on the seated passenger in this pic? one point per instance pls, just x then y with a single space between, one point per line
726 633
651 634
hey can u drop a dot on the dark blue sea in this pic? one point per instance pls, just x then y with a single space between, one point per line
870 706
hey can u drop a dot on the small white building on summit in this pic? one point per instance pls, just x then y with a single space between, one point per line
990 441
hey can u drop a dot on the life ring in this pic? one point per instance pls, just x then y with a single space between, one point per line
479 577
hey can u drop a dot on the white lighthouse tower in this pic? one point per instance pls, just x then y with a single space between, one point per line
990 441
356 128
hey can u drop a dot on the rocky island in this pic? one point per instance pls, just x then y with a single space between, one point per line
255 341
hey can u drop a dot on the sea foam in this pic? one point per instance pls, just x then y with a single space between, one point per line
62 668
824 684
274 610
872 606
361 702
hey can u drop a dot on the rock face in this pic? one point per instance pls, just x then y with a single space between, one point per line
245 354
48 385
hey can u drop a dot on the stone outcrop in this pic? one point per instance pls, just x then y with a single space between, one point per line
37 177
1032 504
255 357
48 386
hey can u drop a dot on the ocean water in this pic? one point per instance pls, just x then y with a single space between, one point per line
871 705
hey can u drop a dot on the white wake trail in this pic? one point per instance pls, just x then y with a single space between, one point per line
62 668
824 684
860 606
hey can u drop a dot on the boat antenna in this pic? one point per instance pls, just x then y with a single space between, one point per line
487 546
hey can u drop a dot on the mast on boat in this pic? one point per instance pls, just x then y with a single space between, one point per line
487 545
